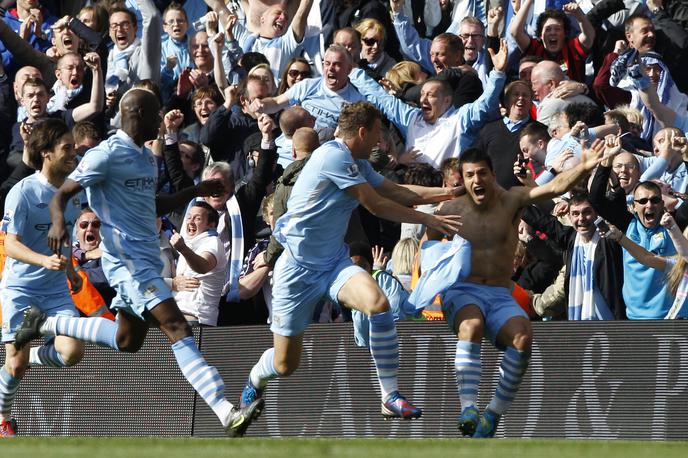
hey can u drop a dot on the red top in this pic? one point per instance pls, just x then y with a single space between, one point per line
571 57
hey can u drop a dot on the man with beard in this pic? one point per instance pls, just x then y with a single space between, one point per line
482 304
644 291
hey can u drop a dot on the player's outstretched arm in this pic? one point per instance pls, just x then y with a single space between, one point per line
388 209
57 235
563 182
409 195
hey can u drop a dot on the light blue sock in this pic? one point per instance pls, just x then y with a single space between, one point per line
99 331
205 379
511 371
8 389
46 355
467 366
264 370
384 349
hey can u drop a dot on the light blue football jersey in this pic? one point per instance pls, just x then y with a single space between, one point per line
319 208
121 179
27 216
324 104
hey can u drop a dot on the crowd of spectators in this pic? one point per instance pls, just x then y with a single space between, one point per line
251 88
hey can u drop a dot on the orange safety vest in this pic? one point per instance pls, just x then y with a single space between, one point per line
88 300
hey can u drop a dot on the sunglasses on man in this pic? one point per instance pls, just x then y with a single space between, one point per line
653 200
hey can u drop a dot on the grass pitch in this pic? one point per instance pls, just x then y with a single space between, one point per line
35 447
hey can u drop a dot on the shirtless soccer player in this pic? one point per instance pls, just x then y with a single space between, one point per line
316 263
482 304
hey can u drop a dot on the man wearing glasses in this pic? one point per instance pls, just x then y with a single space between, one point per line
86 249
470 29
131 59
645 290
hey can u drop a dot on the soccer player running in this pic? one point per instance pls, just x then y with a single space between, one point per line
33 273
316 263
120 178
482 304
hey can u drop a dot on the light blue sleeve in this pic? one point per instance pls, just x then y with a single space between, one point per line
297 93
341 169
288 43
92 169
413 47
243 36
400 113
16 211
473 116
544 177
371 176
651 167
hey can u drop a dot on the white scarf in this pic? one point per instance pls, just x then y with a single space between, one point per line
581 279
61 97
118 65
236 251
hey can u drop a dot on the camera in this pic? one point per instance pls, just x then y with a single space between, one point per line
602 225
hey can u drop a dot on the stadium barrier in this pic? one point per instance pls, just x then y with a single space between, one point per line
586 380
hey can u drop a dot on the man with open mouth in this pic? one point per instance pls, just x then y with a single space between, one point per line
482 304
277 39
131 59
437 130
645 291
322 97
552 42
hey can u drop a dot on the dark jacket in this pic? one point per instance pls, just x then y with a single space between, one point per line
607 265
279 204
502 147
224 134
